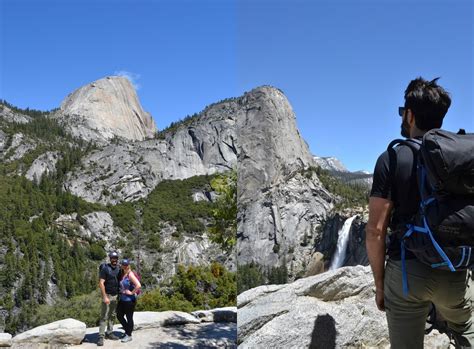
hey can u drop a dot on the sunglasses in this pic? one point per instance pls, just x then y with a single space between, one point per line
401 111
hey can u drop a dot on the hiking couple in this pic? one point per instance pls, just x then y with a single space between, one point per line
423 189
119 286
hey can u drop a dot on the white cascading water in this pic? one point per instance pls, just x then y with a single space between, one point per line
343 238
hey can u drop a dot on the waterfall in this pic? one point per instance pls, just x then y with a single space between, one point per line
343 238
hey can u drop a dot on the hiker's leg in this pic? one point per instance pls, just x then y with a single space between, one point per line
453 299
406 316
121 315
112 313
104 315
129 313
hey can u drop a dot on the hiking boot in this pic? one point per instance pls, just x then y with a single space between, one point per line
100 342
126 339
112 337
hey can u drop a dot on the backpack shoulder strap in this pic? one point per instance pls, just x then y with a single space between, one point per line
413 144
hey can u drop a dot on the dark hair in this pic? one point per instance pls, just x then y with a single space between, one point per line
428 101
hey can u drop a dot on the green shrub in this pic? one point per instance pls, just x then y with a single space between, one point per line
97 252
351 194
172 201
85 308
193 288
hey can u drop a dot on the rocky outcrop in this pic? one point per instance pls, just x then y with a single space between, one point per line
227 314
44 164
94 226
150 319
335 309
187 249
3 140
130 171
5 340
280 205
68 331
9 115
20 145
105 109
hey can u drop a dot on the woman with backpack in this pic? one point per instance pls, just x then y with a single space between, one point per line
129 288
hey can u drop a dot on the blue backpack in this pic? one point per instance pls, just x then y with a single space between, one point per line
441 234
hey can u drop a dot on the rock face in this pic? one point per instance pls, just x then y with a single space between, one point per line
8 115
130 171
3 140
68 331
331 310
5 340
189 249
106 108
94 226
150 319
227 314
270 144
44 164
19 146
356 251
280 206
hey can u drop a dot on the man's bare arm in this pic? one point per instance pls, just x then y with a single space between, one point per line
102 290
376 229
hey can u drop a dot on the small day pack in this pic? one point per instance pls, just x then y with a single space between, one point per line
441 234
139 278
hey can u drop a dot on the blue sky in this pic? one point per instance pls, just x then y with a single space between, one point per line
342 64
181 54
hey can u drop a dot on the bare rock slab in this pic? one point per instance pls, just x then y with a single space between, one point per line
150 319
67 331
227 314
5 339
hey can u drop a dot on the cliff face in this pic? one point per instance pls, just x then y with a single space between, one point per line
128 171
106 108
270 144
281 206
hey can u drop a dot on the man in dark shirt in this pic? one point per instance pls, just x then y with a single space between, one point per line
109 288
393 201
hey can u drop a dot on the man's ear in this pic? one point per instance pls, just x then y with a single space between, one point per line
410 117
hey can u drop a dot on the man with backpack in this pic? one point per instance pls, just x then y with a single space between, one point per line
109 288
422 190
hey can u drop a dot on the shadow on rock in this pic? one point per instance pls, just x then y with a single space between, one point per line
324 333
94 337
209 335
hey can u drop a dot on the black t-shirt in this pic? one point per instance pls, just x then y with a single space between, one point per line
395 180
111 277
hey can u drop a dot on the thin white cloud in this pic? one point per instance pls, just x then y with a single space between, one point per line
132 77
